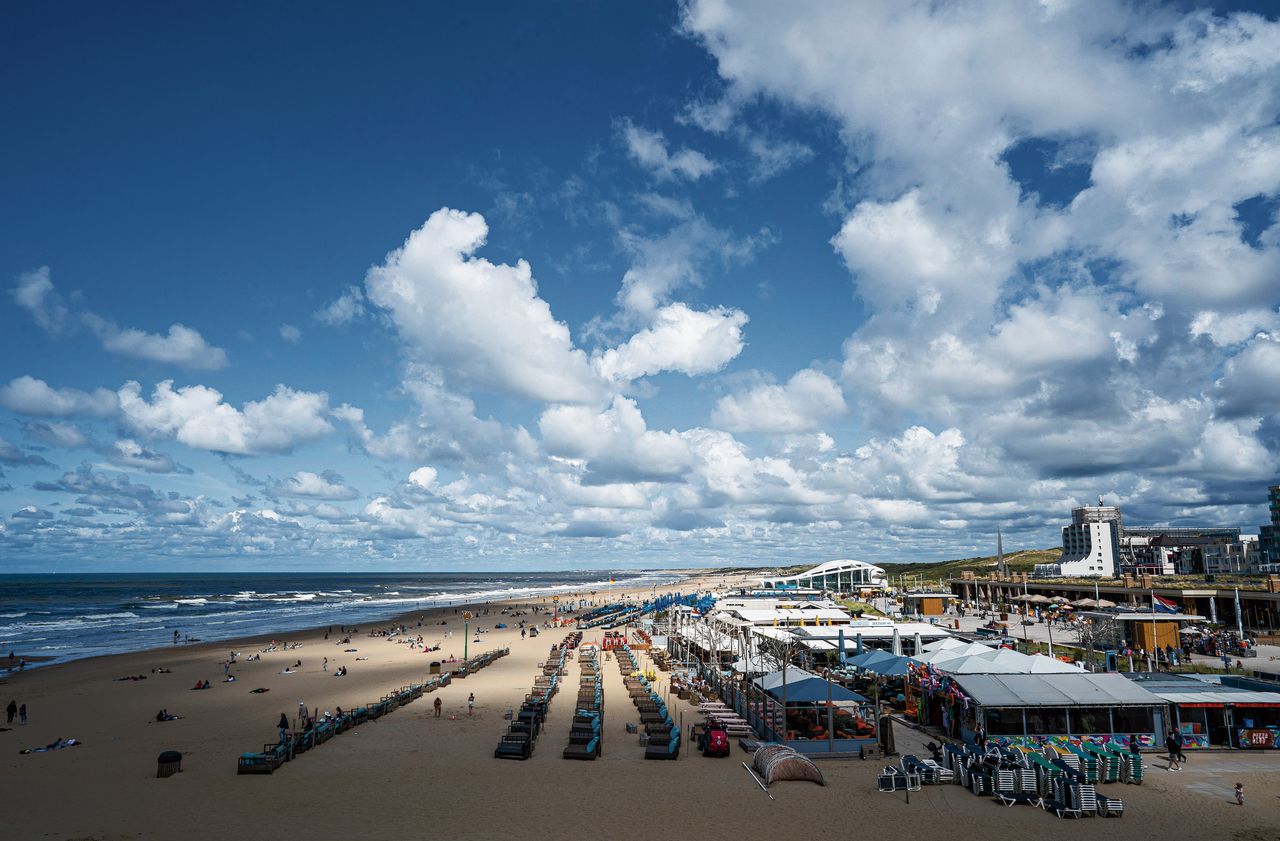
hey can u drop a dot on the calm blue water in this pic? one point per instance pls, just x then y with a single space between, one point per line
72 616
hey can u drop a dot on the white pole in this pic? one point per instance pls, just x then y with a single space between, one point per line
1239 616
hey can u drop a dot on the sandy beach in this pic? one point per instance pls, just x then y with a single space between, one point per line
410 775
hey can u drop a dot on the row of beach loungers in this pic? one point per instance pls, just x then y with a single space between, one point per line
663 734
586 736
526 724
1061 777
272 756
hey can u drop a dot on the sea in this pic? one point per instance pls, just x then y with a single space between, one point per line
67 617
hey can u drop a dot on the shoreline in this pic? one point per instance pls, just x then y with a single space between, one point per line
45 663
37 661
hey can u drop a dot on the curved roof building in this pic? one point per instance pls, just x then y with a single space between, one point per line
832 575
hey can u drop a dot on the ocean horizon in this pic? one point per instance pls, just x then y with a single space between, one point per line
70 616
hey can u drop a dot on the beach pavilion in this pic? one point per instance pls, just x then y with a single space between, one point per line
1027 709
845 576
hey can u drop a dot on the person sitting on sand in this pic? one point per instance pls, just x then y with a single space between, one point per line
56 744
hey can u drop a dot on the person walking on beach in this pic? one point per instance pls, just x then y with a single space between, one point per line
283 724
438 704
12 710
22 713
471 704
325 667
1239 794
1174 745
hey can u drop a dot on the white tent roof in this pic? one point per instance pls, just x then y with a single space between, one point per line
1083 689
1001 661
963 649
944 643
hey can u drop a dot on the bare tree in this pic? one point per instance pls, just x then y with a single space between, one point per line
1098 633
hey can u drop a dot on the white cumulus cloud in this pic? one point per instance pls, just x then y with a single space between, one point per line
199 417
805 403
482 322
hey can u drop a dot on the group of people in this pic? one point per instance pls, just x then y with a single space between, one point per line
16 710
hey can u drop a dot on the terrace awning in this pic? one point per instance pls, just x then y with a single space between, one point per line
1082 689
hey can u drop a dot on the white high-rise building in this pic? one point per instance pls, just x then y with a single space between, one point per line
1090 545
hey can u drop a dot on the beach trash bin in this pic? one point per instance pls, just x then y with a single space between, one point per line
435 667
168 763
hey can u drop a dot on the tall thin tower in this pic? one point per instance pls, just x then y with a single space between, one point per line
1001 569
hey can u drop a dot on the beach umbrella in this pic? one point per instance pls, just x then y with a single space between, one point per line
843 659
1084 603
1105 603
857 644
919 644
1059 600
897 641
1039 599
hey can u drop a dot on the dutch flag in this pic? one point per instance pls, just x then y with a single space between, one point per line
1163 605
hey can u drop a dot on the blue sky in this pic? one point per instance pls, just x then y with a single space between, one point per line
586 285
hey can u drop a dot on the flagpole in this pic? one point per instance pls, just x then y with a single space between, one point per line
1155 644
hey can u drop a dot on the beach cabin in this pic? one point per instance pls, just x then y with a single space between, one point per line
926 604
1028 709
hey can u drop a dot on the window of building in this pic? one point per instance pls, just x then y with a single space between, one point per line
1004 721
1132 720
1087 720
1046 720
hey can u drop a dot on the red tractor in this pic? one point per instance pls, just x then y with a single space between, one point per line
715 741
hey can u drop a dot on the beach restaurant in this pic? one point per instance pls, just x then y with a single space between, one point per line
1027 709
1218 710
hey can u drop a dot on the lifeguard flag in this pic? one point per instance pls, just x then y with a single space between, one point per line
1163 605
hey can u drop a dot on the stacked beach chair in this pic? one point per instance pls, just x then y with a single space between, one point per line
526 724
314 733
1061 777
663 735
587 732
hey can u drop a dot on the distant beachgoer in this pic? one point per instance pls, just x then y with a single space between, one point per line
12 710
1239 794
283 724
325 667
471 703
438 704
22 713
